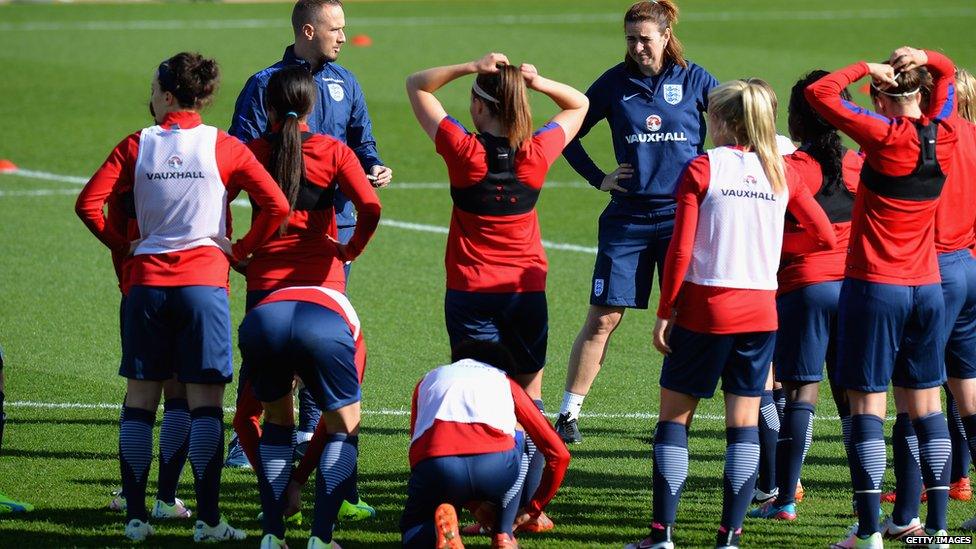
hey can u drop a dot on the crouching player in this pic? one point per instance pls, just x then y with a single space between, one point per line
312 332
467 446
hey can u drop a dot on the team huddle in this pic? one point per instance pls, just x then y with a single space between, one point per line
778 259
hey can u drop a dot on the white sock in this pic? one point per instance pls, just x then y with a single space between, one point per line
572 404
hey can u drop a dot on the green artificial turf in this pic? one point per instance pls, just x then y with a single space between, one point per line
75 81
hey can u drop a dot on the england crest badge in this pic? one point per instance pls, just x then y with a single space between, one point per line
597 287
335 90
673 94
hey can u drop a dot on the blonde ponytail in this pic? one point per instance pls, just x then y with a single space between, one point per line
966 94
746 114
759 118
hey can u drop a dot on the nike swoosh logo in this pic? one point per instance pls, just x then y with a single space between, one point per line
629 97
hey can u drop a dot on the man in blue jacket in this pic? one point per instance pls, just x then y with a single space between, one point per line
339 111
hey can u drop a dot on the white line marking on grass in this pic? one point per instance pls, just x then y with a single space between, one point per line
40 192
47 176
394 412
395 186
480 20
244 203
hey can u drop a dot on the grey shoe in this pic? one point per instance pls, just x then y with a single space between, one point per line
568 429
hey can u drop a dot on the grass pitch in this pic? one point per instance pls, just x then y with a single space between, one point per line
76 80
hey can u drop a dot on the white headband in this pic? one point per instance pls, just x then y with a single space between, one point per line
482 93
889 94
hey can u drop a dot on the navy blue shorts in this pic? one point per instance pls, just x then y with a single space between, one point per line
456 480
697 361
281 339
179 330
121 317
807 332
888 333
959 291
519 321
633 241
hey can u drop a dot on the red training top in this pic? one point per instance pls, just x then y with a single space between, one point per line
892 239
804 269
201 266
956 214
120 222
488 253
723 310
305 255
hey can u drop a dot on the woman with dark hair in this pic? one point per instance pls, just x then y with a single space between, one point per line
176 176
717 314
654 102
303 253
496 267
809 289
892 312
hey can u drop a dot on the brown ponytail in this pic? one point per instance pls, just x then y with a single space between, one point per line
290 96
508 102
665 14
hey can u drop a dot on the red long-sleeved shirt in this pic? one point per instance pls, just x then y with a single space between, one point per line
892 240
955 216
445 438
202 266
304 255
488 253
714 309
798 270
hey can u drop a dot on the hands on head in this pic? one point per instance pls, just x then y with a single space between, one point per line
903 59
492 62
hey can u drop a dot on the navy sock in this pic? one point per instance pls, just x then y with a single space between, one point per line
961 460
935 449
908 477
779 398
511 501
537 463
670 469
741 466
795 439
768 438
969 425
274 472
135 456
206 457
332 483
309 413
174 442
867 470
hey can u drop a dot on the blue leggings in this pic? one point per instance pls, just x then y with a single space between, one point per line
458 480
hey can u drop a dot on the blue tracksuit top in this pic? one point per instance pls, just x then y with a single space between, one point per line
657 124
339 111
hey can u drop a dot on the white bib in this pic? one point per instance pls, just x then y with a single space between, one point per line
180 199
465 392
740 225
